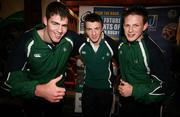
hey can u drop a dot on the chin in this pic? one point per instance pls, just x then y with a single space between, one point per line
57 41
95 41
131 40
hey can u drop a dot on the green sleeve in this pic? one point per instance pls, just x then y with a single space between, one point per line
141 93
21 85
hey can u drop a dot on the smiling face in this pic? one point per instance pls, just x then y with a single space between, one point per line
56 27
134 27
94 31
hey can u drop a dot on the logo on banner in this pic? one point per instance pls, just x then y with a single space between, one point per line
82 19
152 22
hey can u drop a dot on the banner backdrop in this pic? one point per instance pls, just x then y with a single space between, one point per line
111 16
163 22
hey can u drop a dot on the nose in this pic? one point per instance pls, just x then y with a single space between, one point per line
59 29
130 28
93 32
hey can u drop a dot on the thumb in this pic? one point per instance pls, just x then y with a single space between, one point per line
57 79
123 82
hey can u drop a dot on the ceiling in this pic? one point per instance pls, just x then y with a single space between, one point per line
74 4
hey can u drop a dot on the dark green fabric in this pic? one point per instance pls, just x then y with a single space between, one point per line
134 71
43 63
97 70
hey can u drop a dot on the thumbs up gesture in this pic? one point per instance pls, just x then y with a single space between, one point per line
50 91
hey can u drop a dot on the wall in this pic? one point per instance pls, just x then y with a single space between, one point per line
10 6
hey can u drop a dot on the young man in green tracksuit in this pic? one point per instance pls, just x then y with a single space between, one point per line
143 68
97 52
39 61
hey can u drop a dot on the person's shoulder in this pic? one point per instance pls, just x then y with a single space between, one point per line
72 35
110 40
71 32
107 37
30 32
149 41
27 36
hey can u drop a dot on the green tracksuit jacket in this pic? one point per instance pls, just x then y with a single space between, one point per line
142 65
98 65
34 62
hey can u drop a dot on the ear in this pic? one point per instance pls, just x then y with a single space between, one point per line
145 26
45 20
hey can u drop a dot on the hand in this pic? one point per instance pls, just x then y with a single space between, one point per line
50 91
125 89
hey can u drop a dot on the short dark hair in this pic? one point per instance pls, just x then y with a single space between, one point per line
93 17
56 8
136 10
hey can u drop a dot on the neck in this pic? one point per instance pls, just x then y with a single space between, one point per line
44 36
139 38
